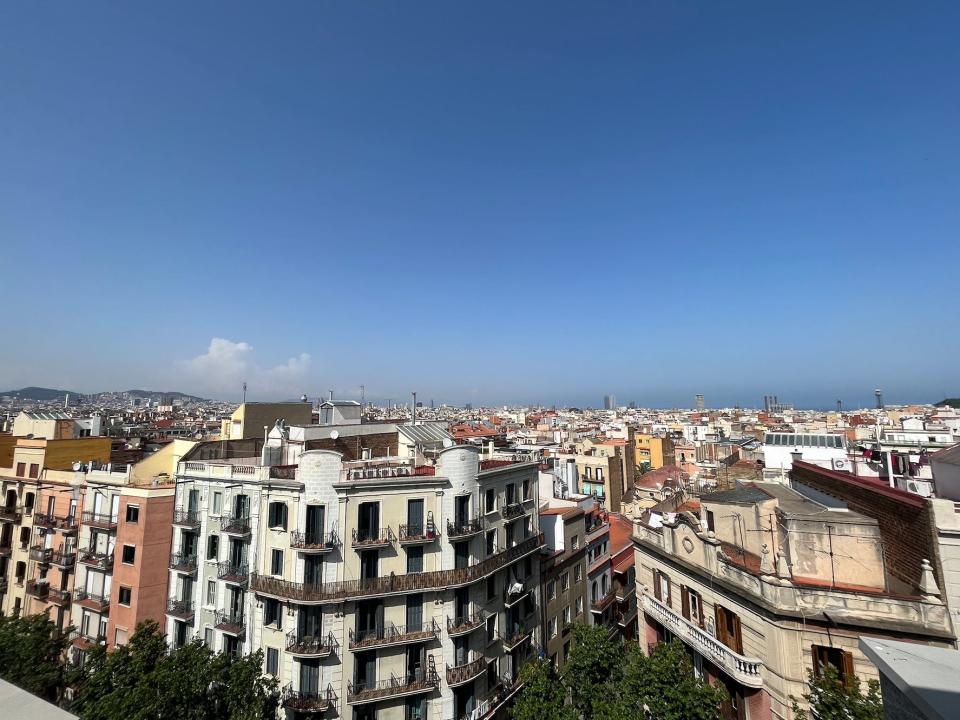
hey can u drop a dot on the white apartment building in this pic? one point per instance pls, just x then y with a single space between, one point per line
376 588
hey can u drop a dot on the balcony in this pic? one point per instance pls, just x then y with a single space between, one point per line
66 524
417 534
99 560
413 684
3 585
625 592
364 539
11 514
464 528
466 625
237 574
41 554
746 671
393 635
514 593
515 637
85 641
235 525
63 559
38 589
302 701
58 597
310 543
462 674
184 562
6 550
232 623
186 518
105 521
93 601
311 645
513 510
601 604
345 590
180 609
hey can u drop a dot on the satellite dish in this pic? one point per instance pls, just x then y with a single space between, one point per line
334 435
77 466
447 442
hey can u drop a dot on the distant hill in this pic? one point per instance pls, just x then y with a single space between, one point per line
952 402
39 394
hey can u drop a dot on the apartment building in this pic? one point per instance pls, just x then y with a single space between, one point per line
764 583
374 586
37 494
563 577
654 451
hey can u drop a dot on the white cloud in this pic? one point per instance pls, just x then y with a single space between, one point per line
226 365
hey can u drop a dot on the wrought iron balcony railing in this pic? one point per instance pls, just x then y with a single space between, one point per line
418 534
464 528
393 635
233 573
412 684
184 562
315 543
100 520
10 513
231 622
182 609
100 560
311 645
332 592
309 701
235 524
467 671
94 601
186 518
372 537
466 625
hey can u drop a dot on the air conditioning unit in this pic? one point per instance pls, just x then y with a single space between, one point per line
371 473
386 472
356 474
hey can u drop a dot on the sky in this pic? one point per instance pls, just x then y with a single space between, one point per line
496 202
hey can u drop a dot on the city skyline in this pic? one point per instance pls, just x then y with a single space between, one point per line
738 199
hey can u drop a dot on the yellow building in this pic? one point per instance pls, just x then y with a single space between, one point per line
250 418
653 450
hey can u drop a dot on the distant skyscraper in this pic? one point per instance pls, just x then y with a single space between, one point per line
468 406
609 402
633 405
879 393
700 404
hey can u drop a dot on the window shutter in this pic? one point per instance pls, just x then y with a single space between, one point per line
656 584
685 601
737 637
271 515
283 517
847 667
815 651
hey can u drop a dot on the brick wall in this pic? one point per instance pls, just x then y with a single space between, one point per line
906 522
380 444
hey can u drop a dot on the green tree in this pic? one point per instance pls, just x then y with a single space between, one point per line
142 680
593 670
543 695
31 651
830 698
666 688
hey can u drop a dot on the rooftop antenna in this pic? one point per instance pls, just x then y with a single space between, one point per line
363 393
244 391
413 411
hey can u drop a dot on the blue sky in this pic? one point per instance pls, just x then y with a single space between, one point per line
483 202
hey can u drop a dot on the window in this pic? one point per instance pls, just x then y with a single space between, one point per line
271 612
273 662
565 582
217 503
579 606
491 500
575 542
661 587
133 513
129 554
213 547
553 627
710 525
211 593
566 615
491 587
34 470
120 637
21 469
491 540
415 559
578 573
277 515
599 475
276 562
491 628
526 489
692 605
728 628
837 658
208 637
551 589
126 594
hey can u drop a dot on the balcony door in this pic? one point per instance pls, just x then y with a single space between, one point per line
368 520
314 526
415 517
310 622
310 676
414 612
416 659
236 602
241 506
238 553
312 570
461 510
193 501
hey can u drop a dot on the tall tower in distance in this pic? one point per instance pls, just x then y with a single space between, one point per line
879 395
609 402
700 404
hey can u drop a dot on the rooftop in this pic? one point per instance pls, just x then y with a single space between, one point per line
927 676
